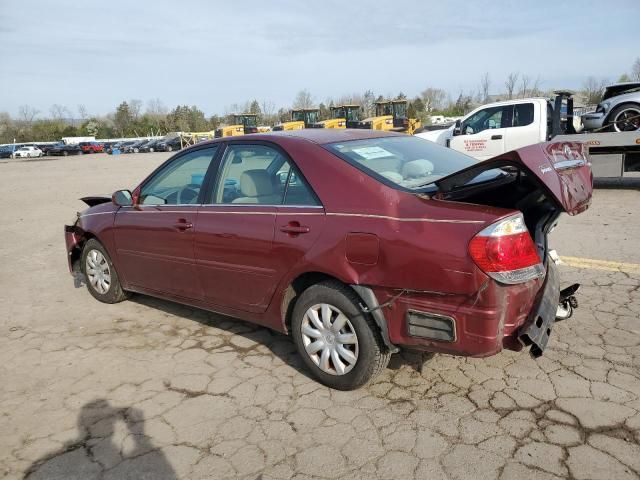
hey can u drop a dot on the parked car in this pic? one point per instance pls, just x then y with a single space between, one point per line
65 150
169 145
27 152
420 246
150 146
120 145
619 110
134 147
6 151
91 147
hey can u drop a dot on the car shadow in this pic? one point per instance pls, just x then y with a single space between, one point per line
278 343
98 452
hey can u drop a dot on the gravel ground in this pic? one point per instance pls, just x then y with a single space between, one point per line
151 389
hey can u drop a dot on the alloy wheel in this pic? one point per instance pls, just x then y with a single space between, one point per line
628 120
98 272
329 339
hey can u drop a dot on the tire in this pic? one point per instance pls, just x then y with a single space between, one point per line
369 356
65 153
169 148
626 109
106 287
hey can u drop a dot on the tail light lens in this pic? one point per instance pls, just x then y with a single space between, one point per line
506 252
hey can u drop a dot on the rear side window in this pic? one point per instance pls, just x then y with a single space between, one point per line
408 162
523 114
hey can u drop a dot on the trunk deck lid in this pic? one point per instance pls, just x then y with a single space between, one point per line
560 166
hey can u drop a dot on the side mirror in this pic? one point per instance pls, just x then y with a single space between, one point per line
122 198
457 129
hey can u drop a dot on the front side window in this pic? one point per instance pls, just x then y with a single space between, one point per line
408 162
179 182
484 119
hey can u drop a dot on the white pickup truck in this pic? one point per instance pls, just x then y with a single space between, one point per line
500 127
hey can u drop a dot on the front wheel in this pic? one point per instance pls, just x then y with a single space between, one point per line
339 343
101 277
625 118
169 148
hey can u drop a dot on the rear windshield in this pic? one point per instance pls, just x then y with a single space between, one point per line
408 162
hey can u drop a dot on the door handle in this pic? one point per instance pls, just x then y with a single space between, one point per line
294 229
182 225
496 137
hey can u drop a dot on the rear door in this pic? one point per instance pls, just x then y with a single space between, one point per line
483 133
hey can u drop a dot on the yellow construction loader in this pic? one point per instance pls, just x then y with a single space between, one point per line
342 116
301 118
391 115
244 123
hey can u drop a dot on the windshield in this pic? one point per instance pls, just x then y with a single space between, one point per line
297 116
312 117
408 162
337 112
353 114
383 109
399 110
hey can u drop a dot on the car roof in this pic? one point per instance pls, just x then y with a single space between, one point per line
320 136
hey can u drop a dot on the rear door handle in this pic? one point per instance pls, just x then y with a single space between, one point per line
496 137
294 228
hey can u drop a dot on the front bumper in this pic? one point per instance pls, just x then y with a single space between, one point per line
593 121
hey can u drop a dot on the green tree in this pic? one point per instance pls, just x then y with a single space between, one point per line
122 119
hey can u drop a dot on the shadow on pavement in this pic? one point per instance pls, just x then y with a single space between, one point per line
97 453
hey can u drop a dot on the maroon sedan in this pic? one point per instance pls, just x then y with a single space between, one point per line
354 242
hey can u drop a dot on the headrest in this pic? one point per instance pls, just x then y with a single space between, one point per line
256 183
417 169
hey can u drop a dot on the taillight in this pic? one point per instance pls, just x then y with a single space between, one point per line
506 252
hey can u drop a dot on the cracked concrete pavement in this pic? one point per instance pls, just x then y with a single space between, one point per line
152 389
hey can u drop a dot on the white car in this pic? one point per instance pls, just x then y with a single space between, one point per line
23 152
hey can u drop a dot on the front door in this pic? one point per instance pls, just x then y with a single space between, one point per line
483 134
154 238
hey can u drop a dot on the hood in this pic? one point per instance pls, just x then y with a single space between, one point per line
560 167
437 136
619 89
94 200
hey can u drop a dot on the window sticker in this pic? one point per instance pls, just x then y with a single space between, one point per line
371 153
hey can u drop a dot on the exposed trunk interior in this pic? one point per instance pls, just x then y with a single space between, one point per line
517 190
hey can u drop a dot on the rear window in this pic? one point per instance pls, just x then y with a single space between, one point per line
407 162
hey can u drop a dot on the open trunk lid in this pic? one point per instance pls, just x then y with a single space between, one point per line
561 167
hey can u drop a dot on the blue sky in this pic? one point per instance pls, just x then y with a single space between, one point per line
214 54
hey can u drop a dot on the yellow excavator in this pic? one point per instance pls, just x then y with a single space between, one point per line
391 115
244 123
300 118
342 116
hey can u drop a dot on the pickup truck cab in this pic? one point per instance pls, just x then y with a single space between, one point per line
496 128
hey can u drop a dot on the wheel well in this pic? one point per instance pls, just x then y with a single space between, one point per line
295 288
76 254
635 104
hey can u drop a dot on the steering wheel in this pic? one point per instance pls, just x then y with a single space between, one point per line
187 194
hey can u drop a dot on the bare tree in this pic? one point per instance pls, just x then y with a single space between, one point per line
27 113
303 99
433 99
135 108
155 107
59 112
635 70
525 80
82 112
592 90
510 83
485 83
268 108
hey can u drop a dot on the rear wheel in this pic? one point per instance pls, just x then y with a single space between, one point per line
65 153
339 343
625 118
101 276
